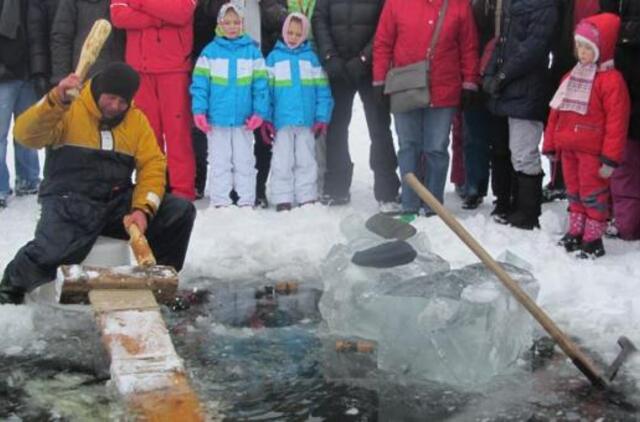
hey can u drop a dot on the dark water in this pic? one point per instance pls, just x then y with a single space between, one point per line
258 355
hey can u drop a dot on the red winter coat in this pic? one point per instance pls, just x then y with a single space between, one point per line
603 130
403 36
159 33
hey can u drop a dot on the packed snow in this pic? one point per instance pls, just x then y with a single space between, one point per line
593 301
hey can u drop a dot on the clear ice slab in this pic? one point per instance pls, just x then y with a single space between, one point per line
461 327
352 304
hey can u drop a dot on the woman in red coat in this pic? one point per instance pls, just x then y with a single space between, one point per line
404 34
587 128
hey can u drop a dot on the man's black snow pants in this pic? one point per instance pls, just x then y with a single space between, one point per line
70 224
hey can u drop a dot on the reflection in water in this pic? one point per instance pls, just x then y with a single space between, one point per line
255 352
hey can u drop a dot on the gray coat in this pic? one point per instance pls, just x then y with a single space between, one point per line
73 21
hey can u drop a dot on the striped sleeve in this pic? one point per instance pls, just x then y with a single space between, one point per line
200 86
324 100
260 85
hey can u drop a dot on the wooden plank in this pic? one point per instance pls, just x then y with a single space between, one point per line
145 367
122 300
77 280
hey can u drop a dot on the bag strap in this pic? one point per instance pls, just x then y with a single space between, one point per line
497 18
436 32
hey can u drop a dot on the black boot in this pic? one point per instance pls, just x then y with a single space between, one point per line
10 294
592 250
570 242
528 200
501 184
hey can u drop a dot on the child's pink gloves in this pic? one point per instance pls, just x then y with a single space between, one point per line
605 171
253 122
319 128
268 132
200 120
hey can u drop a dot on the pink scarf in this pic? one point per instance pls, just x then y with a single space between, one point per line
575 91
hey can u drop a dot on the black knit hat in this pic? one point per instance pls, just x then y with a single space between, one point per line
117 78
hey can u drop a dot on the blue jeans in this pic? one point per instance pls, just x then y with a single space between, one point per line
15 97
424 131
476 141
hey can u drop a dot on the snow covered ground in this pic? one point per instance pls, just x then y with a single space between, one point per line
593 301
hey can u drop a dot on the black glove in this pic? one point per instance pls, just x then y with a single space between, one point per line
357 69
493 84
335 68
471 99
379 96
41 85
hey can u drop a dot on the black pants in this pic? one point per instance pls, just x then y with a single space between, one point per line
382 154
199 140
70 224
263 154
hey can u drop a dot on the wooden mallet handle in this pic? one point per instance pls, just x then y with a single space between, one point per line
140 246
91 50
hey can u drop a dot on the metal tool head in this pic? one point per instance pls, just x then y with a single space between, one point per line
628 348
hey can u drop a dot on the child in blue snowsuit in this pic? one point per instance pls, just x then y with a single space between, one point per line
230 99
300 110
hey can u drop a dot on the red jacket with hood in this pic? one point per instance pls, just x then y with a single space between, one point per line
603 130
159 33
403 36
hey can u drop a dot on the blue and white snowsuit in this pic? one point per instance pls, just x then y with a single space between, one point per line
230 85
300 96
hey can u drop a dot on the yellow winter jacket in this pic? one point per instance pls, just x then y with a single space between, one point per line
83 159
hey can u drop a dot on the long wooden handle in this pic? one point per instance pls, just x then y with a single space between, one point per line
91 50
140 246
569 347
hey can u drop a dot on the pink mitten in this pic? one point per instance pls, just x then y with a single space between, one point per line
268 132
253 122
200 120
319 128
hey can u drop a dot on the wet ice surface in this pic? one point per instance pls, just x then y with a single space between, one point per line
255 354
272 359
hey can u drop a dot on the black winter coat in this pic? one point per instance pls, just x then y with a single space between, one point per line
73 21
345 28
39 23
628 54
522 56
205 21
14 45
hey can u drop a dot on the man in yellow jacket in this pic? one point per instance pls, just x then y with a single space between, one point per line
94 144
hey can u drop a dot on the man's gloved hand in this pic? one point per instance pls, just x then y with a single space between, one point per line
319 128
335 68
493 84
253 122
268 133
41 85
356 69
605 171
137 217
379 96
470 99
200 120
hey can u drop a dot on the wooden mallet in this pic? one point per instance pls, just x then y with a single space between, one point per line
91 50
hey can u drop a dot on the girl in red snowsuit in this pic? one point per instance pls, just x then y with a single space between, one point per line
587 130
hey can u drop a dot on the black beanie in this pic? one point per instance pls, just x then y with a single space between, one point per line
117 78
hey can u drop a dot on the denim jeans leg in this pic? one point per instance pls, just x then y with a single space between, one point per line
8 94
409 129
436 128
27 164
477 140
